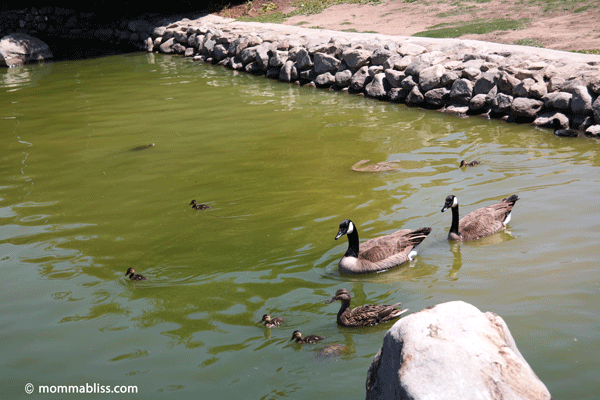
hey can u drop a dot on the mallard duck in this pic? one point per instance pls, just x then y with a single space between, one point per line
133 276
142 147
473 163
481 222
367 315
381 253
308 339
559 131
271 322
197 206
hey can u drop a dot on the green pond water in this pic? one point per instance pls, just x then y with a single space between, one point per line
78 207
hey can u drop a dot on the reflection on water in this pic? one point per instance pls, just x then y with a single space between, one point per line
77 208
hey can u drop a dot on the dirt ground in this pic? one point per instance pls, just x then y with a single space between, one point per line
556 29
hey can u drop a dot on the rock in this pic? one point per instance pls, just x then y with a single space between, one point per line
220 52
343 78
21 48
397 95
356 58
418 64
167 46
411 49
430 78
415 97
507 83
278 58
408 83
437 97
378 87
379 56
462 91
478 102
394 77
486 82
596 110
593 130
360 79
581 103
262 57
303 60
288 72
452 351
325 80
500 103
402 63
558 100
325 63
525 107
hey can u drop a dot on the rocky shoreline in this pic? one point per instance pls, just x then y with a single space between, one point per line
467 77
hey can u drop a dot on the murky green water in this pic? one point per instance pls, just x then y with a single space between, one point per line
77 208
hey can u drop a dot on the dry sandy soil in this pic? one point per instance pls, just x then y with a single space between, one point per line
556 29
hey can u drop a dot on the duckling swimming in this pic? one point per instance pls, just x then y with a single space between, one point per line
308 339
473 163
559 131
133 276
197 206
271 322
367 315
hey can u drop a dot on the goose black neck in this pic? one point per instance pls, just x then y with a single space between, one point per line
352 244
454 226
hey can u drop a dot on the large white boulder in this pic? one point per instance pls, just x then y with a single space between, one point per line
452 351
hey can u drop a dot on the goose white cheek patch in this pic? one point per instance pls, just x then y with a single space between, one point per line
350 227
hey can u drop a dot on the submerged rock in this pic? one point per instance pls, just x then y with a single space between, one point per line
452 351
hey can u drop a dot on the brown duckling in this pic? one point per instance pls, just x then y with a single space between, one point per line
367 315
197 206
133 276
271 322
473 163
142 147
308 339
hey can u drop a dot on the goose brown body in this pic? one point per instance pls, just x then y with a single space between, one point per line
307 339
481 222
379 254
133 276
367 315
271 322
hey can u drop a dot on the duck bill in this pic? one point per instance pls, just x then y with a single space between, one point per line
331 300
340 234
445 207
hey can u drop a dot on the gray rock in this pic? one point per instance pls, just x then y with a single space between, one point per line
507 83
581 103
430 78
525 107
262 57
325 63
278 58
343 78
415 97
247 55
411 49
471 73
593 130
220 52
478 102
397 95
360 79
166 46
437 97
402 63
462 91
558 100
408 83
486 82
596 110
501 103
325 79
378 87
380 56
21 48
303 60
394 77
208 46
374 70
356 58
452 351
288 72
418 64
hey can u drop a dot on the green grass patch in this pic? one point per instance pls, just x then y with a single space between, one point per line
591 51
529 42
475 27
275 18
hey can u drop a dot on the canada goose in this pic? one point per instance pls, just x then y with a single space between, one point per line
481 222
379 167
559 131
473 163
142 147
197 206
381 253
367 315
271 322
133 276
308 339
